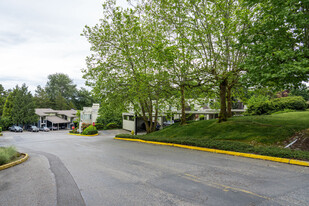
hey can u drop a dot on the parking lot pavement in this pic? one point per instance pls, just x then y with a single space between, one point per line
77 170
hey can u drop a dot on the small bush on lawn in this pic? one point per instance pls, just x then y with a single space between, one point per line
7 154
202 117
99 126
90 130
112 125
275 105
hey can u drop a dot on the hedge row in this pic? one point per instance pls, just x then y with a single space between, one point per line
275 105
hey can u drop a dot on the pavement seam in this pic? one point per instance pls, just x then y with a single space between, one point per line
11 164
240 154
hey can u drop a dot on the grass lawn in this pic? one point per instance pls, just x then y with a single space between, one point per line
7 155
253 134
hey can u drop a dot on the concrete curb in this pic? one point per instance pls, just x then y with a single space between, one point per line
240 154
84 135
11 164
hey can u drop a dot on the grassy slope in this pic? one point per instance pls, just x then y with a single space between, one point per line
266 129
250 134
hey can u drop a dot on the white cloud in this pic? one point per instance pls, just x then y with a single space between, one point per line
40 37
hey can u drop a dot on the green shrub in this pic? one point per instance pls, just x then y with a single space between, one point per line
202 117
99 126
275 105
7 154
85 125
5 122
90 130
112 125
0 129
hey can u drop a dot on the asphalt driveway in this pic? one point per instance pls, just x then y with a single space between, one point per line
76 170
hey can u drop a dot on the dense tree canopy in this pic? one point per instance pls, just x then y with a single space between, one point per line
278 43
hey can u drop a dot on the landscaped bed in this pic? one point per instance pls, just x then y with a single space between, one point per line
265 134
8 154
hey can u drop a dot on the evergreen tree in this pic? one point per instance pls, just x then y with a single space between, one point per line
23 107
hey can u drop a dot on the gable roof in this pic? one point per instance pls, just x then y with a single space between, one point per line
56 120
45 111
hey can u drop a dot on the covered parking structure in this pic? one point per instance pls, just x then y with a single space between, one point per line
54 121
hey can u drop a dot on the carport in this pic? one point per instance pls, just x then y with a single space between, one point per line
56 121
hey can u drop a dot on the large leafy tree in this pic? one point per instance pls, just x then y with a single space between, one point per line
60 85
83 98
210 31
125 68
278 43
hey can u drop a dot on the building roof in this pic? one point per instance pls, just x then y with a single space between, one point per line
56 120
68 113
45 111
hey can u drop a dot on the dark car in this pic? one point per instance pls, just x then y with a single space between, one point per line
16 129
33 129
143 126
44 129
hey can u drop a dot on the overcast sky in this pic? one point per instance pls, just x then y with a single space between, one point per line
42 37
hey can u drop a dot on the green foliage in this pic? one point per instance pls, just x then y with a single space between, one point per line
202 117
3 95
85 125
109 114
60 85
275 105
7 154
99 126
5 122
41 98
19 107
0 129
74 131
302 90
257 99
277 43
250 134
112 125
90 130
83 98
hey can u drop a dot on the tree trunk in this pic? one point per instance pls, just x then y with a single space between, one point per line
223 113
229 101
183 105
145 118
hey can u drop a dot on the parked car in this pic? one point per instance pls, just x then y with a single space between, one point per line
33 129
53 128
16 129
44 129
168 123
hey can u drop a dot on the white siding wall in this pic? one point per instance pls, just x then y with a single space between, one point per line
128 125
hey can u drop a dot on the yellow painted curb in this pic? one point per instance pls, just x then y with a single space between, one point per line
240 154
11 164
84 135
